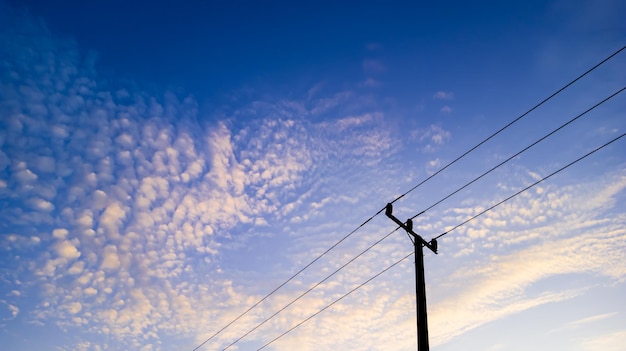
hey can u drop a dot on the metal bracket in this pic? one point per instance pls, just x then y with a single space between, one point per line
408 226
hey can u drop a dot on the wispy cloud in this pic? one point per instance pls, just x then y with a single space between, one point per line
610 342
442 95
373 46
582 322
373 66
431 137
500 285
12 310
371 83
125 203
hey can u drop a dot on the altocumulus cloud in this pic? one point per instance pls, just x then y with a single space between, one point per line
99 188
115 204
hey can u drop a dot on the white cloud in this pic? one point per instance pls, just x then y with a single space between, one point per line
45 164
112 217
326 104
110 258
442 95
592 319
355 121
74 307
610 342
371 83
500 284
41 205
373 46
14 310
77 267
431 137
66 249
581 323
60 233
373 66
24 175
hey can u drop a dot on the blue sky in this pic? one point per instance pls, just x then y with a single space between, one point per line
163 166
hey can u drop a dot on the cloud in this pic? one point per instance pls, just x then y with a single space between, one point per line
442 95
355 121
74 307
592 319
115 185
66 249
110 258
373 46
500 285
12 309
373 66
60 233
610 341
582 322
371 83
126 204
328 103
41 204
431 138
111 219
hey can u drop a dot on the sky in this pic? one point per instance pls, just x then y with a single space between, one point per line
165 165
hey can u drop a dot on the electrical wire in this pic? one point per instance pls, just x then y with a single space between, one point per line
287 281
510 123
530 186
390 233
404 194
521 151
311 289
457 226
334 302
428 208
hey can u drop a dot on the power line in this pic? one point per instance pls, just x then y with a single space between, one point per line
428 208
311 288
419 242
521 151
287 281
457 226
510 124
530 186
404 194
334 302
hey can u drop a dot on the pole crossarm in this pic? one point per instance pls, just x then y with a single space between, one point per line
408 226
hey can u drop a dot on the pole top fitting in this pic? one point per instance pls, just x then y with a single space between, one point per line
388 209
433 245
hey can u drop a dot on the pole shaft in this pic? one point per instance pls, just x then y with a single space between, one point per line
420 282
420 296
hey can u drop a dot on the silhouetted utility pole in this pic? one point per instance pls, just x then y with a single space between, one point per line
420 285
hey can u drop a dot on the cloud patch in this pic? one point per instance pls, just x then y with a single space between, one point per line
133 201
443 95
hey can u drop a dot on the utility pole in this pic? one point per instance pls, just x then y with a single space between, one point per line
420 284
